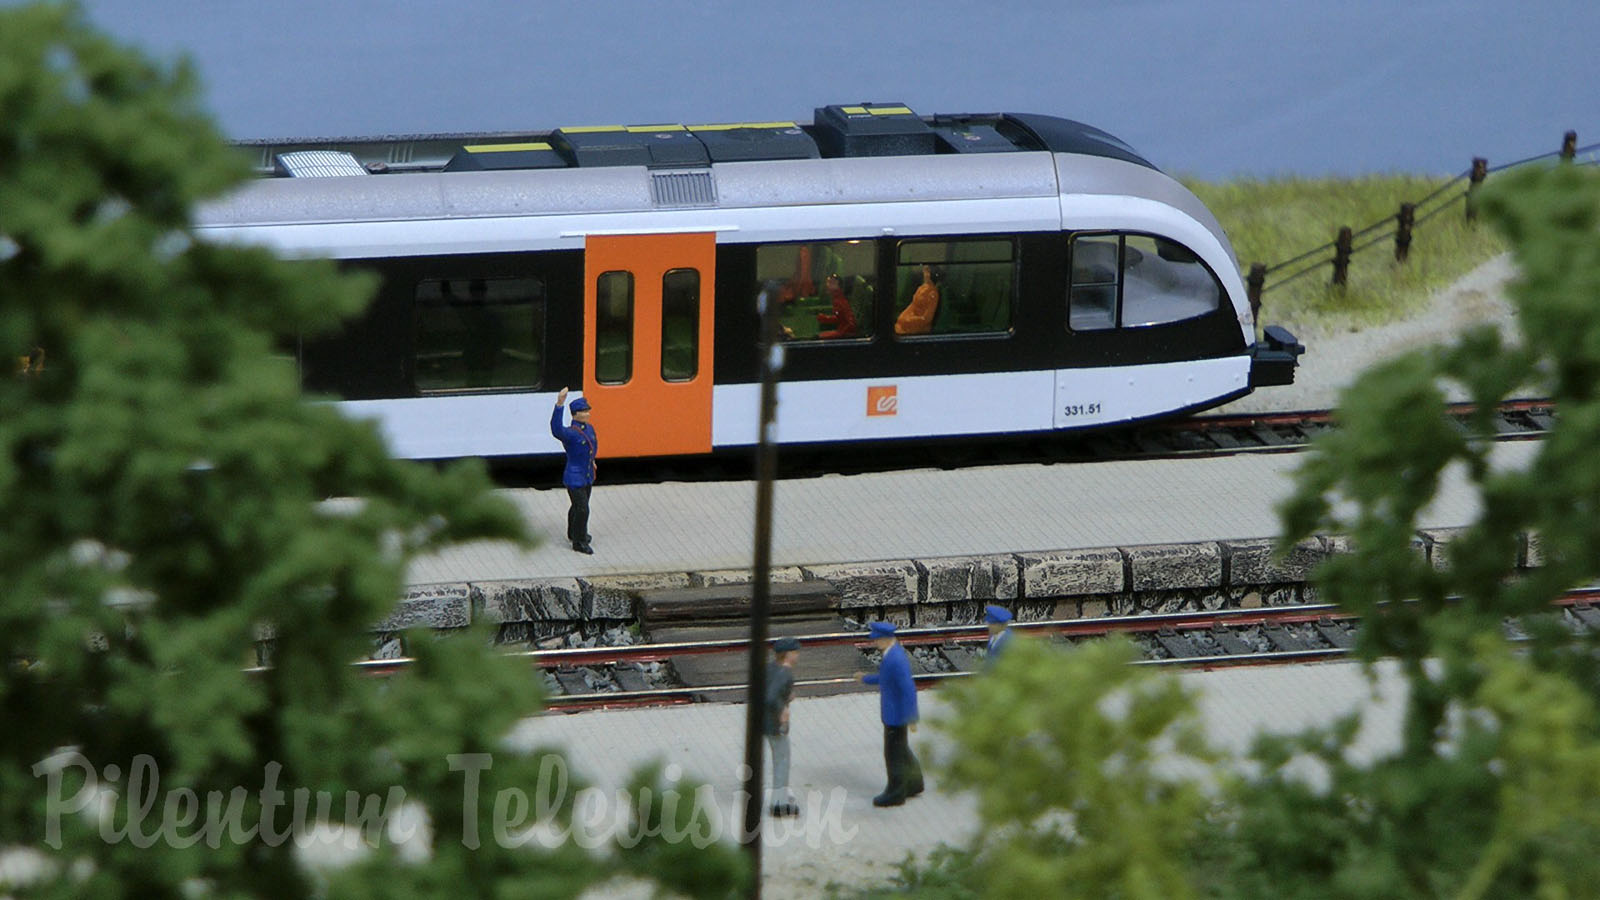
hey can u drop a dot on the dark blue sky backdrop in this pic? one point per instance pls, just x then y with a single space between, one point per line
1209 87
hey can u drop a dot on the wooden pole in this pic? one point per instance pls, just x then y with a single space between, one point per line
1404 220
1480 171
1254 284
771 348
1341 256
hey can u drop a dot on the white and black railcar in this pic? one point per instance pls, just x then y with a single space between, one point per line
1077 286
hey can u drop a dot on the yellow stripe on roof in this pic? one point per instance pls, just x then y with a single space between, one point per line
635 129
854 110
890 110
732 125
503 148
591 129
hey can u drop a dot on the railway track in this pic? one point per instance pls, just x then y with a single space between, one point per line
612 677
1198 436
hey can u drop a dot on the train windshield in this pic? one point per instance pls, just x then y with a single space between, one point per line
1136 280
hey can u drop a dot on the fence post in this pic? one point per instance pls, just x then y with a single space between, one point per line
1402 232
1569 146
1341 256
1253 285
1480 171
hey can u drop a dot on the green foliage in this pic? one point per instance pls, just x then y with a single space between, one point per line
948 873
1272 220
1504 744
167 493
1084 769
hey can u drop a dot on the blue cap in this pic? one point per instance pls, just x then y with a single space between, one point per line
881 629
580 405
785 644
996 614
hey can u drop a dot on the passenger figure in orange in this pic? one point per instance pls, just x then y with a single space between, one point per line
917 317
842 321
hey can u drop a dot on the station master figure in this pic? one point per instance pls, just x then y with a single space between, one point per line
898 705
578 476
998 618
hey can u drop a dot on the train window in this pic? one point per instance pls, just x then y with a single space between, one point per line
613 331
825 291
955 287
680 324
1136 280
1096 262
478 334
1164 282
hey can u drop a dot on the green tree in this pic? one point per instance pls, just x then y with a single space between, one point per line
167 492
1478 800
1084 767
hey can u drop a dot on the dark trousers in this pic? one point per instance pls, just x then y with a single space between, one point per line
578 515
905 773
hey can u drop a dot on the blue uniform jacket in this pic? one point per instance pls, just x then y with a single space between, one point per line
580 441
897 693
997 645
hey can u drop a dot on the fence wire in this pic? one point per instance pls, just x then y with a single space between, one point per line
1388 227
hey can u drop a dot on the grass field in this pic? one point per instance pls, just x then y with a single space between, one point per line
1274 220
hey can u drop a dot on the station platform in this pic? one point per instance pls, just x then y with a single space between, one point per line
918 514
837 766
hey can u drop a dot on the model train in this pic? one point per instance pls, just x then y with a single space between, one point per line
937 276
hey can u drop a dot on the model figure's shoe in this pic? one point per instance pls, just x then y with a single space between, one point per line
780 810
583 547
914 789
887 800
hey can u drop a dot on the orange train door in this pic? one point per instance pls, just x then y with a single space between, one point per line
647 333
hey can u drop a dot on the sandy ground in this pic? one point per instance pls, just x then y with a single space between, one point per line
840 838
1333 359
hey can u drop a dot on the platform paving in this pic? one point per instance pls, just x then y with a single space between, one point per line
909 515
838 761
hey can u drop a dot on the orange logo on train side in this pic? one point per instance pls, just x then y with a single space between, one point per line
882 400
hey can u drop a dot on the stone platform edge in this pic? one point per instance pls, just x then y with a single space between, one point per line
1036 586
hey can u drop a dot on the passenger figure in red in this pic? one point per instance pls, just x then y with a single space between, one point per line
842 321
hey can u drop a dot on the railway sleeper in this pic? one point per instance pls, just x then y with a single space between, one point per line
1588 615
571 681
1178 645
1285 640
630 678
1338 634
961 658
1229 641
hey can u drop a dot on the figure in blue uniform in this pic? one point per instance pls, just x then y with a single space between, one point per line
898 705
998 618
578 477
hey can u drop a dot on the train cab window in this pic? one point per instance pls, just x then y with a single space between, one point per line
824 291
478 334
613 357
954 287
1136 280
680 324
1164 282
